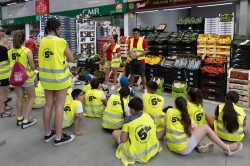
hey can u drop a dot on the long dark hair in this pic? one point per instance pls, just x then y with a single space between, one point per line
181 105
124 91
230 117
52 25
195 96
18 39
115 38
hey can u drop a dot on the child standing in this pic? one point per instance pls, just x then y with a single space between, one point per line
229 121
183 135
138 135
73 111
114 114
95 99
195 106
154 104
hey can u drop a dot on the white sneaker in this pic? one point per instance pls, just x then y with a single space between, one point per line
113 87
104 86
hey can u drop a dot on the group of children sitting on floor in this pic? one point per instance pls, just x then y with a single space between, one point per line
136 122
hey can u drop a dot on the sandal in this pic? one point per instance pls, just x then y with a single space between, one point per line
8 108
8 99
6 114
236 147
202 148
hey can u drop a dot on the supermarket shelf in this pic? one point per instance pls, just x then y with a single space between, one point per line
87 30
87 42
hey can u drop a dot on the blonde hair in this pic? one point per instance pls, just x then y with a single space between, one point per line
2 34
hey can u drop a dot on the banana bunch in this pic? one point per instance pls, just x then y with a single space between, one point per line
224 40
212 39
152 60
202 38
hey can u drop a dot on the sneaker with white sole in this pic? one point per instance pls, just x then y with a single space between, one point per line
105 86
20 122
113 87
205 148
65 139
30 122
48 138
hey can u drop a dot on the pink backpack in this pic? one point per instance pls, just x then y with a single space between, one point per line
18 75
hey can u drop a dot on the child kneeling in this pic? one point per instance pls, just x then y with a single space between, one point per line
73 111
137 140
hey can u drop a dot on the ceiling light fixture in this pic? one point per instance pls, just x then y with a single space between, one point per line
148 11
11 4
177 8
219 4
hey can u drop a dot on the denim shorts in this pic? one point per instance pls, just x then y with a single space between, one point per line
28 84
191 145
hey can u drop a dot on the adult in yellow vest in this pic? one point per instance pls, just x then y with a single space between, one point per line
137 140
114 114
154 104
95 100
4 76
55 78
24 56
138 48
113 52
195 106
229 121
73 111
183 135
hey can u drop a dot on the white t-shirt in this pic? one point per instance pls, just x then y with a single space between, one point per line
127 111
79 109
103 97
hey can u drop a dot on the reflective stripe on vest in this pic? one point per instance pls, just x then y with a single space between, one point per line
158 117
4 72
112 123
48 80
4 64
113 115
93 106
54 71
93 112
174 140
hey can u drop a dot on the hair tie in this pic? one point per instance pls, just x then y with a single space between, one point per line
183 103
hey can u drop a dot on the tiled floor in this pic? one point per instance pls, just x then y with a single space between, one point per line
96 147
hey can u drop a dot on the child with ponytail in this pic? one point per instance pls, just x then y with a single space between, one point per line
183 135
114 114
195 106
229 121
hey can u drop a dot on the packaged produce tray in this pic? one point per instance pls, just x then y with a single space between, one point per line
213 96
179 86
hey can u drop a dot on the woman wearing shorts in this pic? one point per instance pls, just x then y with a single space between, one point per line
113 53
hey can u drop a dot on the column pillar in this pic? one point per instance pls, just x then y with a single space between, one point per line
243 17
27 31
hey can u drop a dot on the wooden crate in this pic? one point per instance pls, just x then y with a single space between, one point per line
121 69
231 80
244 98
137 80
243 103
240 92
238 86
101 67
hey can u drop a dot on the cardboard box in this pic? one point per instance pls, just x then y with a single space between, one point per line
137 80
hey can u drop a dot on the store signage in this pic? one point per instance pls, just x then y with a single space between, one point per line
42 7
149 4
1 13
96 11
20 20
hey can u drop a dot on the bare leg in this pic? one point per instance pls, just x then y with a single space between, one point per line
116 134
107 71
3 95
210 119
144 81
31 97
203 130
131 79
246 128
47 111
115 76
19 100
60 101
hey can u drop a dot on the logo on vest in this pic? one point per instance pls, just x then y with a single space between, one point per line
175 119
18 76
14 55
142 134
91 97
67 109
154 101
47 54
198 116
116 102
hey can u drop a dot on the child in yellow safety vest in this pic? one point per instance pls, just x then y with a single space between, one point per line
229 120
39 101
73 111
114 114
137 140
87 85
195 106
154 104
124 82
95 100
183 135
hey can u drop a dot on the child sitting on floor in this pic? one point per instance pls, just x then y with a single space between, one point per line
95 100
87 85
124 82
154 104
73 111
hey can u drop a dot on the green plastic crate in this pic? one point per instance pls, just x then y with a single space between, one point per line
176 94
160 91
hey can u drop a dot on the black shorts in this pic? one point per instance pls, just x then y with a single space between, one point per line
4 82
137 69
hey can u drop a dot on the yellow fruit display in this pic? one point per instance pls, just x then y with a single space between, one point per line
212 39
202 38
152 60
224 39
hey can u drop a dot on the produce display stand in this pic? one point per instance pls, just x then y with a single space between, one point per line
211 26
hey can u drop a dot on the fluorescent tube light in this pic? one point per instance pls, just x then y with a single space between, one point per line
177 8
11 4
220 4
148 11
